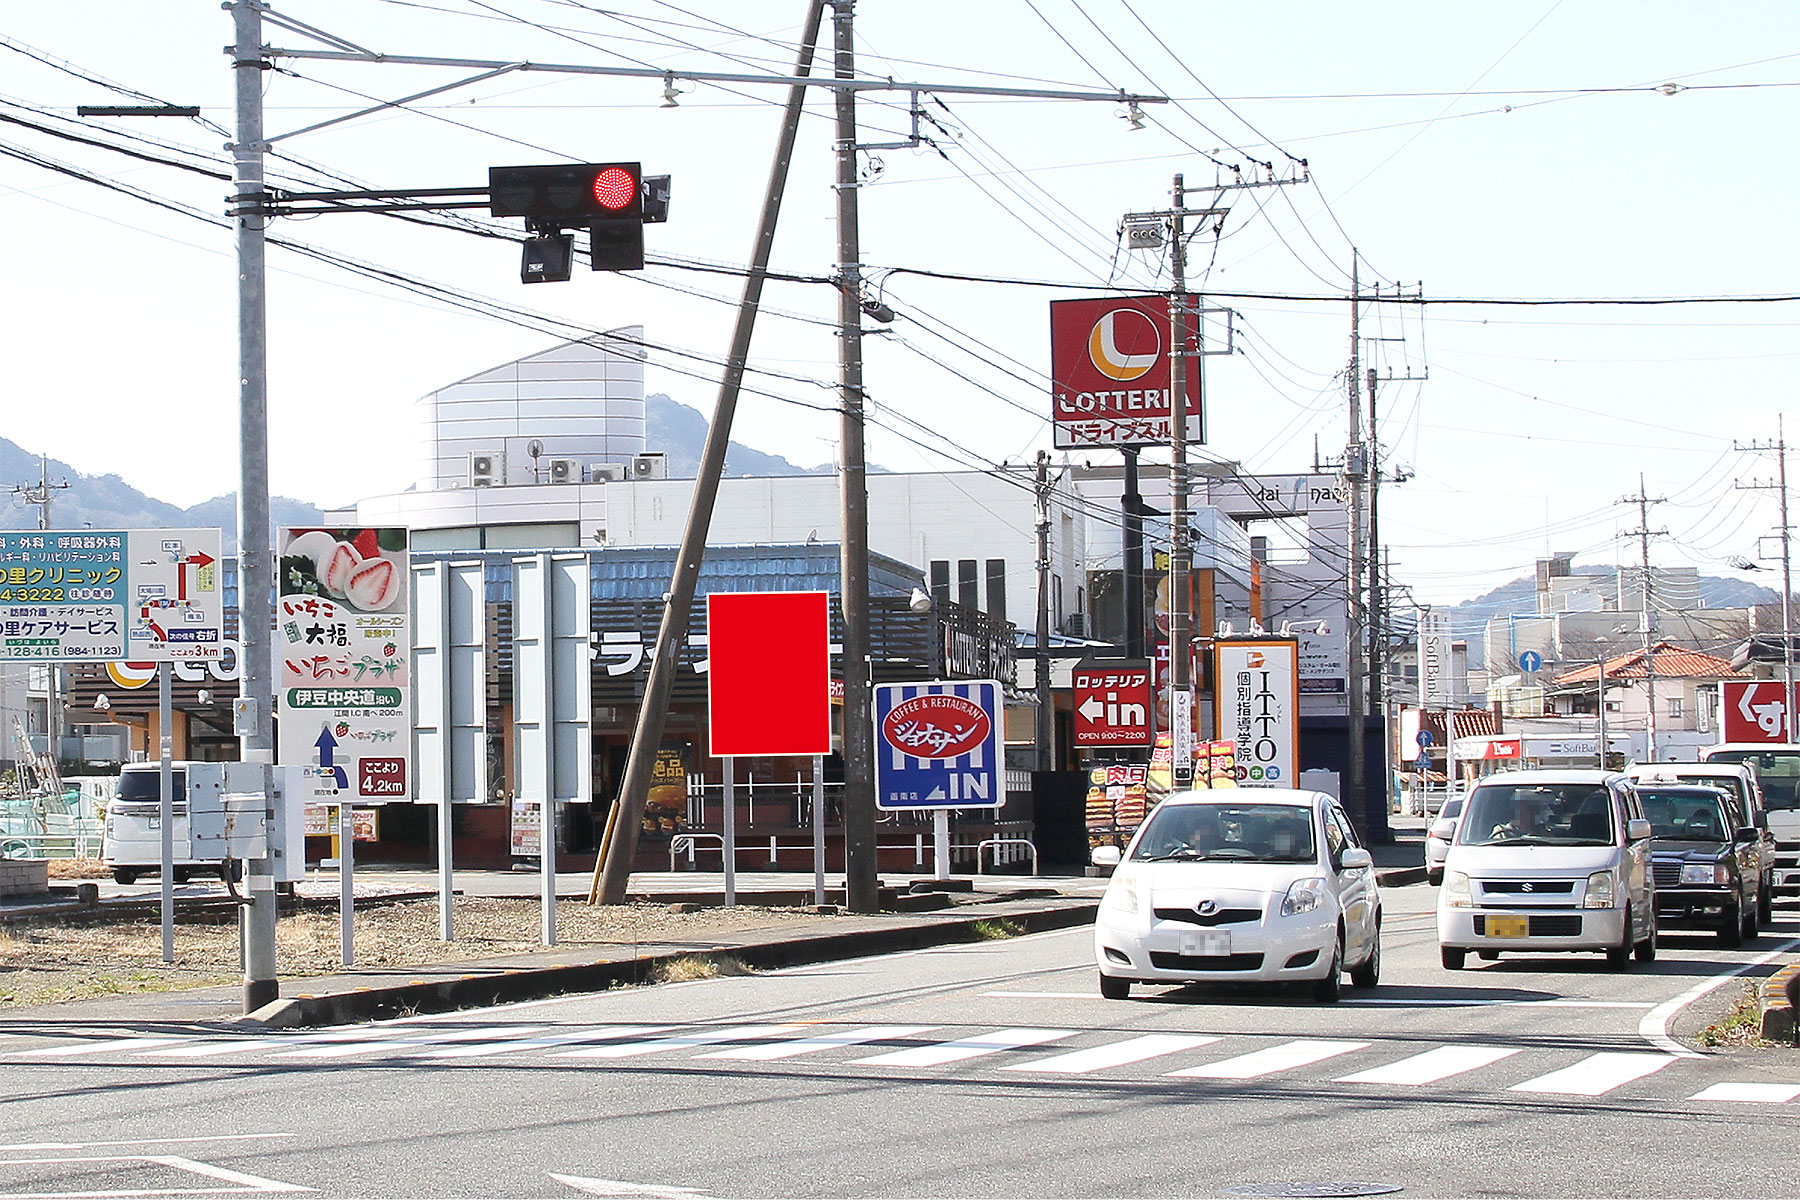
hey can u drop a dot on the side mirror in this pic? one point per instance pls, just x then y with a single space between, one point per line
1748 833
1444 828
1355 858
1637 829
1105 856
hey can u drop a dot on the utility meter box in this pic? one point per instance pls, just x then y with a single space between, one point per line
227 811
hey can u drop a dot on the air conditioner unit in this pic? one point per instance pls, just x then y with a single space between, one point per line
1076 625
487 470
562 470
649 466
608 472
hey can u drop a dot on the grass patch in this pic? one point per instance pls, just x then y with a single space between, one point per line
696 966
1742 1026
997 928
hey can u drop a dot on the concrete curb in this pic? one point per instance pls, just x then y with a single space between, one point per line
1779 994
511 986
1399 876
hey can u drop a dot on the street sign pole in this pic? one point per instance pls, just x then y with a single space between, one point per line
818 828
165 717
728 824
346 883
940 841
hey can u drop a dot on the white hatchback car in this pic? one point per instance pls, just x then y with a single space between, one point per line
1438 837
1240 885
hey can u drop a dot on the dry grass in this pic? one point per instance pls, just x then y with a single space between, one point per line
1742 1026
46 962
78 868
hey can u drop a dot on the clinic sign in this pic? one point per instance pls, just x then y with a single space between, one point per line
1112 372
343 661
101 595
1258 708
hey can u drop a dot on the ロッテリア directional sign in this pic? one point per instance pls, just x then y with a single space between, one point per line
1113 702
937 745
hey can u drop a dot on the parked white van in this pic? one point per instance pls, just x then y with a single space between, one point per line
133 844
1549 861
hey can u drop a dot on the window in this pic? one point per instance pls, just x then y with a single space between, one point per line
968 585
1675 706
940 580
996 588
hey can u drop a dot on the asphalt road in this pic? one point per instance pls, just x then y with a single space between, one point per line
971 1070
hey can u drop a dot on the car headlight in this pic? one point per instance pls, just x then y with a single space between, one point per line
1713 872
1599 890
1303 896
1121 894
1456 890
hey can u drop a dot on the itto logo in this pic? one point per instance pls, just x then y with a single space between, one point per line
1124 344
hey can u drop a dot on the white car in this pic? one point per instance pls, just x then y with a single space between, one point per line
1438 838
1240 885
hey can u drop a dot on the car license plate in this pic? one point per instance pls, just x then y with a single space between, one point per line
1508 927
1785 878
156 822
1212 944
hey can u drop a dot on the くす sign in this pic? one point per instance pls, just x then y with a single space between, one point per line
937 745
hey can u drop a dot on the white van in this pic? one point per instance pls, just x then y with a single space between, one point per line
1548 861
133 844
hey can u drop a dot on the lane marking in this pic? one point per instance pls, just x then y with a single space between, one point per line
1284 1057
1597 1074
1370 1001
743 1033
400 1045
85 1047
856 1037
1118 1054
967 1048
160 1141
1654 1028
1750 1093
1432 1065
605 1033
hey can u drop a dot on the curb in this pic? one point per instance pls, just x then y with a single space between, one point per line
514 985
1399 876
1778 994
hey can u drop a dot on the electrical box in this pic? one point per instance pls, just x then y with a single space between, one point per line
227 811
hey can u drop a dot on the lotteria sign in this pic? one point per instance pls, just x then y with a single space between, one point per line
1112 372
1258 698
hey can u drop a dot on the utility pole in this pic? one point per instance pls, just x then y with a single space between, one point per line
1043 729
39 494
1355 474
1643 533
1181 695
1779 445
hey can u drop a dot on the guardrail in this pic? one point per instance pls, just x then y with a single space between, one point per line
981 849
79 844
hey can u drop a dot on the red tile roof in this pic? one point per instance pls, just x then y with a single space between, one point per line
1671 662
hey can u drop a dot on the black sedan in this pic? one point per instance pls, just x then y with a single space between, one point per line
1703 859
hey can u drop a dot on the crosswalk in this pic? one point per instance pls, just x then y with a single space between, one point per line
1177 1058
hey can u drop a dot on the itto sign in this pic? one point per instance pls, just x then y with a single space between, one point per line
1112 702
1258 698
1112 373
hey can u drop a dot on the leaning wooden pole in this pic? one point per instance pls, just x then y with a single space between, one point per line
618 848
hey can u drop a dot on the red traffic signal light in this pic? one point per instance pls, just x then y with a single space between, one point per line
570 194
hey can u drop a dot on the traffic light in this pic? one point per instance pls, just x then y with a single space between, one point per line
547 258
570 194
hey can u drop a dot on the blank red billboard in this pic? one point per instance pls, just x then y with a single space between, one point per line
768 673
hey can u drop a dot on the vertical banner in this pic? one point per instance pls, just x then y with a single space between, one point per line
1258 697
1434 659
343 658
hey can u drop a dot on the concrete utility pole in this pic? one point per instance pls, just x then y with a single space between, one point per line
1779 445
256 613
1644 533
1043 728
40 494
1355 474
1181 695
612 867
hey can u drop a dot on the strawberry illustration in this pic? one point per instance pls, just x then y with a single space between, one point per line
366 544
343 729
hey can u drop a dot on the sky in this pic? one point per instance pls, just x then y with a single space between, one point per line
1498 176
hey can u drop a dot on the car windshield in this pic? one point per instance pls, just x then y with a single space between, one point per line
1686 813
138 786
1778 772
1228 832
1538 814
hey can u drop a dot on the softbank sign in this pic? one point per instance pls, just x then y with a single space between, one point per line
1753 712
1434 659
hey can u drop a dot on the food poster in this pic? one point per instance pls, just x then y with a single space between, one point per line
1116 802
343 654
665 809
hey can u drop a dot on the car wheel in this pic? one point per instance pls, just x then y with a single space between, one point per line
1619 957
1330 989
1749 922
1369 973
125 875
1434 878
1489 955
1453 957
1765 902
182 875
1646 949
1114 988
1731 926
232 871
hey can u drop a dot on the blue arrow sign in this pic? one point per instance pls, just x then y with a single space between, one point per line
1425 738
1530 662
326 745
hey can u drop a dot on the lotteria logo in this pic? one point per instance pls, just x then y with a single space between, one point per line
936 726
1124 344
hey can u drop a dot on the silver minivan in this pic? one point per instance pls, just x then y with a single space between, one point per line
1549 861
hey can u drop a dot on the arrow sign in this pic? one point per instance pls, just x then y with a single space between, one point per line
1113 702
326 745
199 559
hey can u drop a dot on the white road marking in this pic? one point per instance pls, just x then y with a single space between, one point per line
1596 1074
967 1048
1750 1093
771 1051
89 1047
401 1045
605 1033
743 1033
618 1187
1117 1054
215 1046
1284 1057
1371 1001
158 1141
1432 1065
240 1181
1654 1028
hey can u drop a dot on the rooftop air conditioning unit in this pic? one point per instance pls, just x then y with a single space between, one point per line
562 470
608 472
1076 625
652 465
487 470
